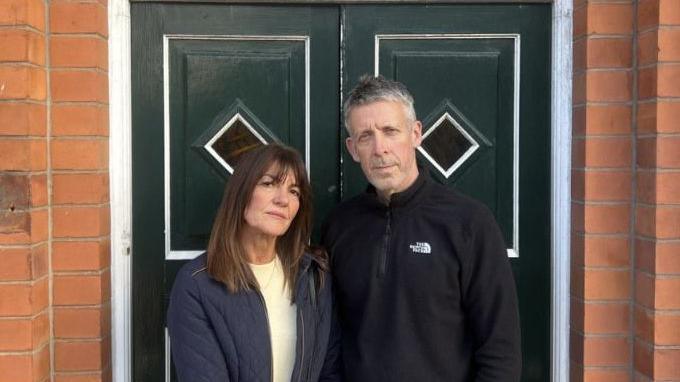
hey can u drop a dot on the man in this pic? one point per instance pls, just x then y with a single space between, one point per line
423 284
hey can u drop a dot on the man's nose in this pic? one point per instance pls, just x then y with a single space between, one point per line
379 145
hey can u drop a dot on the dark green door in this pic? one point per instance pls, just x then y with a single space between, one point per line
211 81
480 77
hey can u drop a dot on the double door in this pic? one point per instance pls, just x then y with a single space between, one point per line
212 81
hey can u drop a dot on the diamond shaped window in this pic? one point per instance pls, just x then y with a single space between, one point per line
234 139
447 145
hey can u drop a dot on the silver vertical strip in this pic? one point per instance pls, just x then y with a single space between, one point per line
561 103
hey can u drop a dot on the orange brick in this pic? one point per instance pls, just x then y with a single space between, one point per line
647 14
79 86
80 255
666 328
21 227
80 356
15 192
645 255
23 155
81 322
605 284
669 12
93 377
646 152
23 299
668 77
80 188
658 187
667 258
668 117
667 364
580 20
610 18
606 351
609 53
647 83
38 190
606 251
608 86
604 185
576 314
22 82
644 290
22 46
579 95
644 324
580 58
78 52
81 290
666 293
16 265
23 12
606 318
648 47
609 374
608 152
80 120
22 119
78 17
16 368
80 221
661 222
601 218
80 154
16 335
608 119
644 359
669 49
577 281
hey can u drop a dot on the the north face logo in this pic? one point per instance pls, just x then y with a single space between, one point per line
421 247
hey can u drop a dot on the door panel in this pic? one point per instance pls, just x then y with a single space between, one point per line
480 78
209 82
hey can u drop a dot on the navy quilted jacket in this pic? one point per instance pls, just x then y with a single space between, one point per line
219 336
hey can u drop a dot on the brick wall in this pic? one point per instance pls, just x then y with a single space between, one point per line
54 211
625 322
657 228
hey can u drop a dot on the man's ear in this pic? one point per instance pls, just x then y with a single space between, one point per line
351 148
417 132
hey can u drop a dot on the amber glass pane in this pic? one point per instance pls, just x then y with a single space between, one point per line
446 144
235 142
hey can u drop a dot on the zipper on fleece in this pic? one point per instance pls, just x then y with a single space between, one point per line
382 265
271 351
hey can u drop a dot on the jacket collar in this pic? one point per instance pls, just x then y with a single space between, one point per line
406 197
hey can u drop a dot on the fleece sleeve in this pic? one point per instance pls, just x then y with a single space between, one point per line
194 347
490 303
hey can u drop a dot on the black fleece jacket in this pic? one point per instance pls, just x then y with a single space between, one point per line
424 288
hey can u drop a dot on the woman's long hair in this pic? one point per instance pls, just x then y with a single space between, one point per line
227 259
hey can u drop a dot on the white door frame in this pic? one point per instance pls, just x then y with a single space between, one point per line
120 167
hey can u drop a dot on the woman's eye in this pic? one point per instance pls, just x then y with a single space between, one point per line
295 192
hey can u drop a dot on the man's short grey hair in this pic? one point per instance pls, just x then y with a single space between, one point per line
372 89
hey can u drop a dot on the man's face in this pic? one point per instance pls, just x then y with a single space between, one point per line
383 140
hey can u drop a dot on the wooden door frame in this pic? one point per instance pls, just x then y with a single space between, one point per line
120 168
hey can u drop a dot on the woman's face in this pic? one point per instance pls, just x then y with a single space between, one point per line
273 205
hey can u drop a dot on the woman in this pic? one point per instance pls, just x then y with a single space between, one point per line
257 306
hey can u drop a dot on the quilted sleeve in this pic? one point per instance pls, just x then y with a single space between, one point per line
194 346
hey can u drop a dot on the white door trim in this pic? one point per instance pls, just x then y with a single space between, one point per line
120 127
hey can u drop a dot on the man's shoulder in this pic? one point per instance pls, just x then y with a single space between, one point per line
448 201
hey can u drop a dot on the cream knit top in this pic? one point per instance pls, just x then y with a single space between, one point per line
282 317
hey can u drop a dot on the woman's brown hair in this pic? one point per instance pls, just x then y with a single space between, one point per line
227 260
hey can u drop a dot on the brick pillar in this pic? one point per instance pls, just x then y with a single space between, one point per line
24 278
80 198
602 185
657 230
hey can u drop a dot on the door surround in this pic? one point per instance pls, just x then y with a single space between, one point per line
120 166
